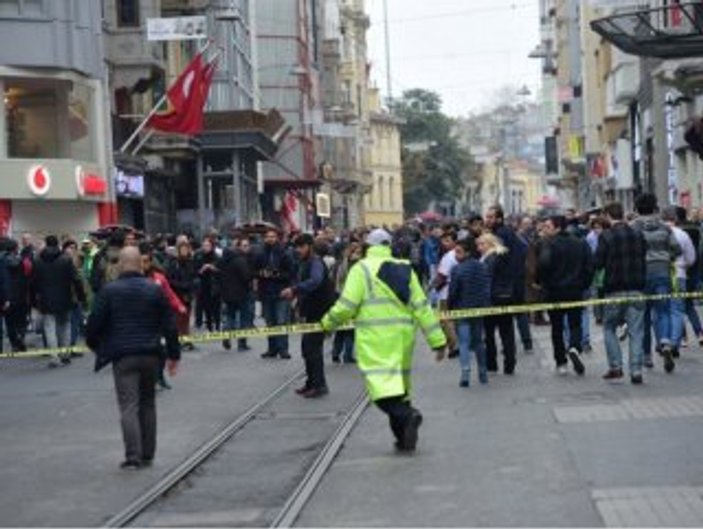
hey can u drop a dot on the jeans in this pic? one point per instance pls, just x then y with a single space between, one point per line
585 325
470 334
505 326
76 322
680 308
312 346
57 330
135 383
239 316
633 315
557 318
662 314
276 311
344 343
523 327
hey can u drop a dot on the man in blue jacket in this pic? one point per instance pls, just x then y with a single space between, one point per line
130 316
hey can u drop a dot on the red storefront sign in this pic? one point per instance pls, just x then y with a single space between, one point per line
89 184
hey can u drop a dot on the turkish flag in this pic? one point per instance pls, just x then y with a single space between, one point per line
186 98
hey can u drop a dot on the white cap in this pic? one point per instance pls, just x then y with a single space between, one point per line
379 237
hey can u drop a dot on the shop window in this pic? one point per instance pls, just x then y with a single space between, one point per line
127 13
49 118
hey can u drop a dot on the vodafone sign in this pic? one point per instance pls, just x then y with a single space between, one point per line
89 184
39 180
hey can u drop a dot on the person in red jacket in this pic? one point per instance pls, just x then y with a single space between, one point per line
152 272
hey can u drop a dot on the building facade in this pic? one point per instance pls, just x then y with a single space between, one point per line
54 128
384 204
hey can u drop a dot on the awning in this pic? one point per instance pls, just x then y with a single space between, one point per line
293 183
672 32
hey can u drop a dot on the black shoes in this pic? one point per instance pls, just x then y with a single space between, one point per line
668 355
130 465
453 354
575 358
636 379
315 393
410 431
613 375
227 344
284 356
269 354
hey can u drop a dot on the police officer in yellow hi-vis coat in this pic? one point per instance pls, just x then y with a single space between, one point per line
384 298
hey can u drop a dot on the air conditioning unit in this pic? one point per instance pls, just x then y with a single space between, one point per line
322 204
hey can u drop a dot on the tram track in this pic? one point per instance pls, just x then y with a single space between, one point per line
192 472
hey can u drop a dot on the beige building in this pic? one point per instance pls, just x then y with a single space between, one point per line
384 204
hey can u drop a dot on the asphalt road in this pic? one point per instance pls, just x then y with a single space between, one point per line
528 450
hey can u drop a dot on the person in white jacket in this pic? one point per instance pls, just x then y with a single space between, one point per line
686 260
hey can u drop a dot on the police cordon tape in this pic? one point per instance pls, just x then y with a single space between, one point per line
310 328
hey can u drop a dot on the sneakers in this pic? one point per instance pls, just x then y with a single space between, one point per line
483 378
613 375
464 380
575 358
562 370
636 379
667 353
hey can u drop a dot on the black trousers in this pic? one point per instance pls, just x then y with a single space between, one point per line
135 381
208 308
556 317
312 347
504 324
16 324
398 410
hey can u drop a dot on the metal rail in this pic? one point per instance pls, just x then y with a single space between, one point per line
180 472
305 489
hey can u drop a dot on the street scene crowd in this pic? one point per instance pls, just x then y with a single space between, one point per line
124 293
213 284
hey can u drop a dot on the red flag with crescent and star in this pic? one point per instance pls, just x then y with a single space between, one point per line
186 100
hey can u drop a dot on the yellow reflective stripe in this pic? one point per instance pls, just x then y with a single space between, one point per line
432 328
369 281
375 302
421 305
348 303
380 322
393 371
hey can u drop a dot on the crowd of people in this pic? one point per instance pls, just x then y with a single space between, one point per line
485 260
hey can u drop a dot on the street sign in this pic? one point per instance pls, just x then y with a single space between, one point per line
176 28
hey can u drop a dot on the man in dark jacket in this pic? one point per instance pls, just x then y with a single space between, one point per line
56 285
130 316
235 288
18 296
565 270
621 254
315 293
274 268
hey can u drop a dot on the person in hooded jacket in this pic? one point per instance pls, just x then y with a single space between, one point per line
55 281
662 252
209 303
17 312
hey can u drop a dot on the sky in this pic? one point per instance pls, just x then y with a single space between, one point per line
463 49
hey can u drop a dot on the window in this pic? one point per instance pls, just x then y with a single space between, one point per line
21 8
49 118
127 13
391 185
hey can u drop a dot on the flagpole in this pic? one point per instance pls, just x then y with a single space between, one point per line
155 109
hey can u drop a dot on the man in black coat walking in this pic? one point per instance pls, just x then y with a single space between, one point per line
235 278
315 293
128 320
565 270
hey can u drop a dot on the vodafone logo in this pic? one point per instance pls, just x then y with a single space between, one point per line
39 180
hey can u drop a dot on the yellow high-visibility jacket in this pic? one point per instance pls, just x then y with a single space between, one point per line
385 327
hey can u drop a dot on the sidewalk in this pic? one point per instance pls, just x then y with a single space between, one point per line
529 450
